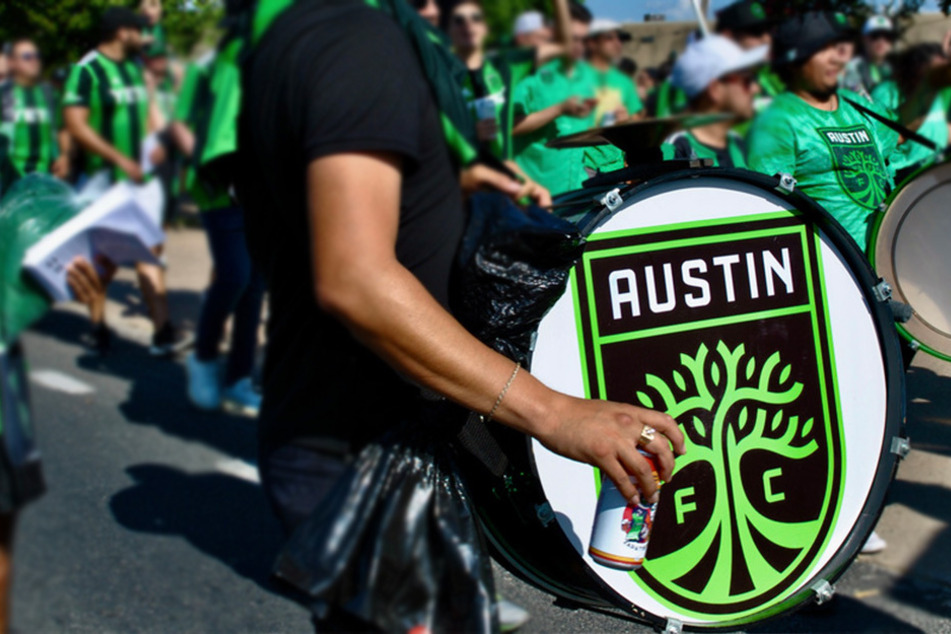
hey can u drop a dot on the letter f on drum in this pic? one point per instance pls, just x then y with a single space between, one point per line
681 507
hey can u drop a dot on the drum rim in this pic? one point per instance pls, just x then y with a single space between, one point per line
860 267
873 247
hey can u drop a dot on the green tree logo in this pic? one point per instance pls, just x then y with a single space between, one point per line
867 181
731 404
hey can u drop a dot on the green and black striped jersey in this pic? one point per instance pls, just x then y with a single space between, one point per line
117 99
28 124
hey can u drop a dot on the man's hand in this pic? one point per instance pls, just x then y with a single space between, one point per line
131 169
621 114
88 286
578 108
487 130
534 192
158 155
605 434
479 177
60 167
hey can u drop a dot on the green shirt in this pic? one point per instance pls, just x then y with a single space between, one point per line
494 83
557 170
194 108
115 94
613 89
685 146
934 128
28 124
840 158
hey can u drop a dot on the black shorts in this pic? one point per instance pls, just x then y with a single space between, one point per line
21 473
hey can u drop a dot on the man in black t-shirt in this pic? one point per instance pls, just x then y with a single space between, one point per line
354 212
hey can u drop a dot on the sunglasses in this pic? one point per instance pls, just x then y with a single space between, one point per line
882 35
29 57
461 19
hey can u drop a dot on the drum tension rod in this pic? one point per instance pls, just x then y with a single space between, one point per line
824 591
883 290
613 200
787 184
901 446
673 626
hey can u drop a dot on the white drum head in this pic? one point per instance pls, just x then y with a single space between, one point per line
716 301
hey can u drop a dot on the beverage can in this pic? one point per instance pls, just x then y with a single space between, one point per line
622 530
485 108
608 119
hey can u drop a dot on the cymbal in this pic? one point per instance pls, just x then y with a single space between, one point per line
644 134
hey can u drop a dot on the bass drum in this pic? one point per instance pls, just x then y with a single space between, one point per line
909 250
747 314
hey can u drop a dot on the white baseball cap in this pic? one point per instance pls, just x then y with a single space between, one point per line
710 58
603 25
528 22
878 23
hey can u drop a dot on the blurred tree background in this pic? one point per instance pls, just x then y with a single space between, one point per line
66 29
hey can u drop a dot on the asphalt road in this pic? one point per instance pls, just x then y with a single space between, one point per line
154 521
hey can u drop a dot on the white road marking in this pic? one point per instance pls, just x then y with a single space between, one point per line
61 382
241 469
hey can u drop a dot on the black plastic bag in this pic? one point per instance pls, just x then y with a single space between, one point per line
396 544
513 266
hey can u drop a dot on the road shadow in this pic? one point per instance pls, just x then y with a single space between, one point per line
842 614
157 391
221 516
183 306
929 419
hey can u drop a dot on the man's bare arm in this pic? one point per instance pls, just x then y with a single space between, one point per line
77 123
359 280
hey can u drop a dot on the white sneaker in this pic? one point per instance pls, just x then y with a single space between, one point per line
511 616
204 387
874 544
241 398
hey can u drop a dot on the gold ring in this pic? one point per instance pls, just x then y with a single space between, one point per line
647 436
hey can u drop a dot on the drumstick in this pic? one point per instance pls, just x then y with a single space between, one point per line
704 28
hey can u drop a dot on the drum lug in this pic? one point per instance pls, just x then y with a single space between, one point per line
612 200
901 446
824 591
883 291
787 184
673 626
544 513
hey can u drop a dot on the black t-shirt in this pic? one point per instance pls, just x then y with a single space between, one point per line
332 77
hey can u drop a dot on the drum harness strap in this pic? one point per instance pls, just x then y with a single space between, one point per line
909 134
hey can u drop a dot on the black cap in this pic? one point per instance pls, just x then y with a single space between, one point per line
745 15
802 36
115 18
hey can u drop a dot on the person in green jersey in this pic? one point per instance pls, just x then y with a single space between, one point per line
866 71
29 119
840 155
911 68
718 77
106 112
491 78
618 101
665 100
153 33
558 99
237 288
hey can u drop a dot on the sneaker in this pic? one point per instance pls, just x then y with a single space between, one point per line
241 398
204 386
511 616
98 340
874 544
169 341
